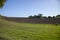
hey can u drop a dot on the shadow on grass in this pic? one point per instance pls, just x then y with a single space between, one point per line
1 38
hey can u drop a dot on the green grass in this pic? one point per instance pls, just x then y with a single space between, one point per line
28 31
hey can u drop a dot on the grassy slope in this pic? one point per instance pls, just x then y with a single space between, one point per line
27 31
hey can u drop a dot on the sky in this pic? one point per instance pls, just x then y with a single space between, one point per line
25 8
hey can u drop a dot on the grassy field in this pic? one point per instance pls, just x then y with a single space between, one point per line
27 31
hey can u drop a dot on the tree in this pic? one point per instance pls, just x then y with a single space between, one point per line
58 16
40 15
53 17
49 16
44 17
2 2
30 16
34 16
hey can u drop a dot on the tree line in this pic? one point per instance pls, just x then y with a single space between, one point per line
41 16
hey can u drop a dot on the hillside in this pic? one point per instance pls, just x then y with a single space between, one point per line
34 20
28 31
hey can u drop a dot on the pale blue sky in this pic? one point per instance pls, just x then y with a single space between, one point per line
25 8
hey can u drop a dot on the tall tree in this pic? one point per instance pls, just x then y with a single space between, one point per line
2 2
40 15
49 16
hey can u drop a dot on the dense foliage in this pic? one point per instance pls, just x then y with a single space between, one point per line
2 2
41 16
